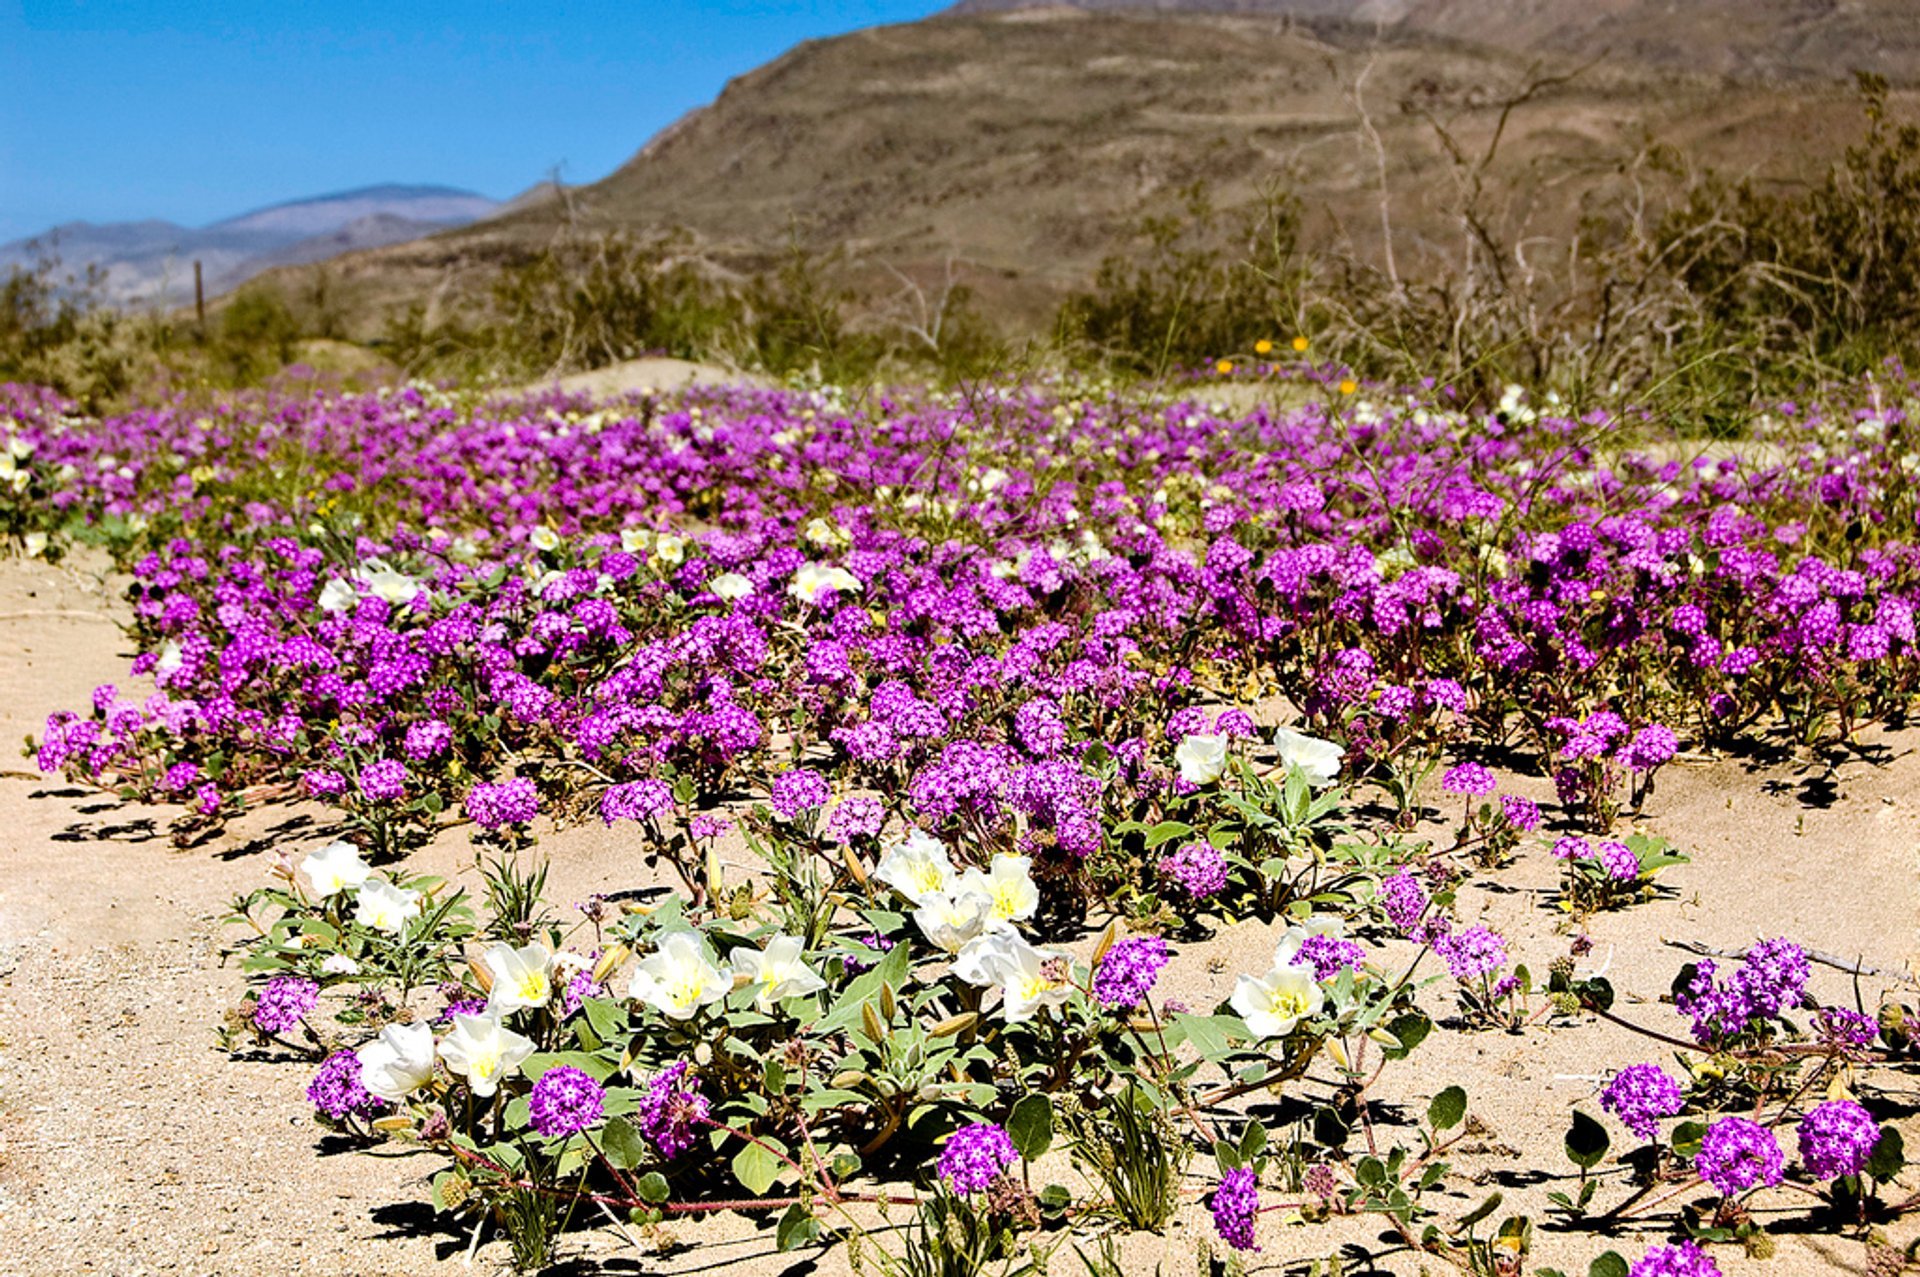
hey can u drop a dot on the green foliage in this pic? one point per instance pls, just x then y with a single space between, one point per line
1189 291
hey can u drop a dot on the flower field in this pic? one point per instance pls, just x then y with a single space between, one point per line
1036 825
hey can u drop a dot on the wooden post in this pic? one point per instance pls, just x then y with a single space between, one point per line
199 298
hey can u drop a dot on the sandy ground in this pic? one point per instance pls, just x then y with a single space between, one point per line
656 373
130 1144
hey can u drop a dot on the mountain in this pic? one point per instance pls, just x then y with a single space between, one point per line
1023 146
151 262
1747 39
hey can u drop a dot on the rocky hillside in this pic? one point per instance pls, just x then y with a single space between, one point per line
1022 145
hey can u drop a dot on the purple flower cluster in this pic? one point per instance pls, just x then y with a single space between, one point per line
669 1114
853 818
1738 1154
1771 979
1330 955
336 1090
283 1002
1197 868
1640 1095
796 791
1683 1260
565 1101
497 804
637 800
1473 780
975 1156
1236 1205
1127 972
1837 1138
1472 953
384 781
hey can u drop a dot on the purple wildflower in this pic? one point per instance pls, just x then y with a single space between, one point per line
284 1002
1330 955
1127 972
493 804
1836 1139
1522 813
1198 867
1684 1260
1738 1154
793 792
1640 1095
1618 860
1472 780
669 1112
384 780
565 1101
855 818
636 800
1472 953
336 1090
1236 1204
975 1156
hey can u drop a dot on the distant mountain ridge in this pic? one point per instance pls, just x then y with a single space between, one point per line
150 262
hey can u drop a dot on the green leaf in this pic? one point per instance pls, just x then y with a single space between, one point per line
1447 1109
1054 1198
1889 1155
1167 831
1411 1030
597 1067
1608 1264
756 1167
1031 1126
1253 1141
623 1144
1686 1138
1587 1141
797 1228
608 1018
1212 1036
654 1188
1481 1211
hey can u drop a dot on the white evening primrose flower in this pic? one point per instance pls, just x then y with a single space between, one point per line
986 958
1201 759
1008 882
169 663
916 866
777 972
1031 979
383 582
730 586
823 533
1272 1004
544 538
385 907
398 1062
483 1051
670 550
337 596
634 540
334 868
812 581
677 980
35 543
1318 760
521 977
950 919
338 964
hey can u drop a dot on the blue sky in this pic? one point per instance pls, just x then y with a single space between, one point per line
114 109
